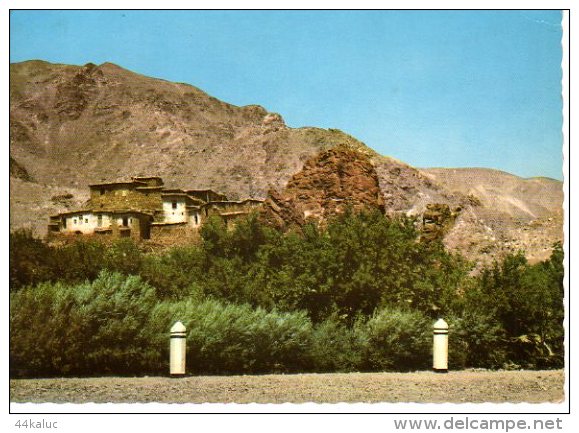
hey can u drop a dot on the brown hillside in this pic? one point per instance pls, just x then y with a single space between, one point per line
71 126
510 213
517 197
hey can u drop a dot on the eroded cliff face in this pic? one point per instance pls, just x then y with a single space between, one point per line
329 183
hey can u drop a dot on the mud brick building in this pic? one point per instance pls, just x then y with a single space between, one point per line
142 208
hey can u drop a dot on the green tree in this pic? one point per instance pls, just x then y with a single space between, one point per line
398 340
124 256
527 301
29 260
176 274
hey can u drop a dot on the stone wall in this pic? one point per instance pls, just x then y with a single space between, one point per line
173 234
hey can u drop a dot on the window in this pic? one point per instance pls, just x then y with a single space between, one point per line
99 221
125 221
74 220
174 205
86 220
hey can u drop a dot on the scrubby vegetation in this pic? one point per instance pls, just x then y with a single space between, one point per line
359 294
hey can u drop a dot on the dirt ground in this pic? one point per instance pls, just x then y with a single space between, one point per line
423 387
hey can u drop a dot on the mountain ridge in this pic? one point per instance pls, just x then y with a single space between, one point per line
75 125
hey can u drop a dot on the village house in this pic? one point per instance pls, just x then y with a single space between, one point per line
143 208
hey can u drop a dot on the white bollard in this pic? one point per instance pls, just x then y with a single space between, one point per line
177 350
440 347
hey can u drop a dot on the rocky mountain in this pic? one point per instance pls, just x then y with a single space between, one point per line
71 126
77 125
507 213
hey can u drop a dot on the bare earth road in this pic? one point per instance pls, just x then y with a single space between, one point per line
455 387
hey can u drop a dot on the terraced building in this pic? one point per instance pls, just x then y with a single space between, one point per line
142 208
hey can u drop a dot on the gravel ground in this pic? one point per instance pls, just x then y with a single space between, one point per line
422 387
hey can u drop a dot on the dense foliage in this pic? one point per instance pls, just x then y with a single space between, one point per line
526 303
358 294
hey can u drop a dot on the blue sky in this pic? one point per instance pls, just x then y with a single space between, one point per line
431 88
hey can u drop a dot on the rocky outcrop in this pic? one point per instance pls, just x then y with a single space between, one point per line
437 219
329 183
74 95
18 171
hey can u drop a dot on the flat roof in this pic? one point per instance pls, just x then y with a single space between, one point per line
117 211
204 191
100 211
147 177
72 212
174 190
160 224
127 182
182 194
233 213
174 193
139 188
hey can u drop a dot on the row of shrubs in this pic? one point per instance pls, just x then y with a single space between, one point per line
115 325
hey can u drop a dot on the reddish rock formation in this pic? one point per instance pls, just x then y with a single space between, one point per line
328 184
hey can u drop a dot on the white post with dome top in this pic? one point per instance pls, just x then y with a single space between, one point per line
177 350
440 347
